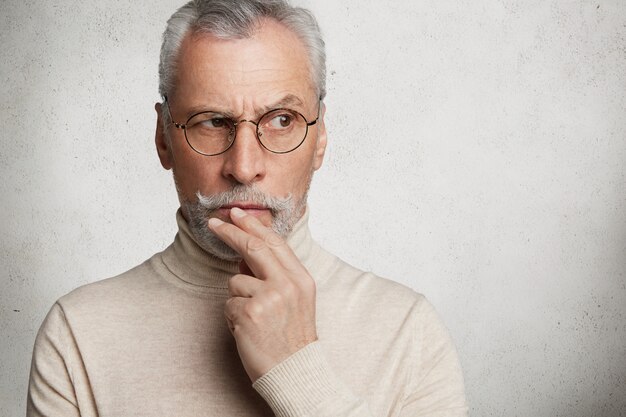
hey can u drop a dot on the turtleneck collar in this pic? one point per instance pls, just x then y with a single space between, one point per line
194 266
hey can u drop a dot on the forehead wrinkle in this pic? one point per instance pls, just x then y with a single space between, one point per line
239 78
233 77
289 100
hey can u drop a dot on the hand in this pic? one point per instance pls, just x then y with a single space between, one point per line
271 309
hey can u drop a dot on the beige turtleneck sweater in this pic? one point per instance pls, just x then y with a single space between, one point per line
154 342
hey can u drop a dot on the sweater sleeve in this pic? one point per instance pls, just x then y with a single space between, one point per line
56 372
304 385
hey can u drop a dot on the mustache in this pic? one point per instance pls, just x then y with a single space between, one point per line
248 193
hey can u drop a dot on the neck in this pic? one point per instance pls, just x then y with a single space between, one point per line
193 265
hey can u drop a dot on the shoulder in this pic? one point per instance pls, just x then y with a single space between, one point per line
344 280
356 297
400 320
107 295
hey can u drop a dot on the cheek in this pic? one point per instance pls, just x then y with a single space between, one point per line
296 174
194 174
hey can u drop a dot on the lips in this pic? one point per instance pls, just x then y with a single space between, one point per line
244 206
253 209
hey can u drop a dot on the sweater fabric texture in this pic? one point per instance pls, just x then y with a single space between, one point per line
153 341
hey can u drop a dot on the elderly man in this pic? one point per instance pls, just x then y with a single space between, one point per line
244 314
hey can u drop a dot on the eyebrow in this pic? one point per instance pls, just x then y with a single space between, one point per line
288 101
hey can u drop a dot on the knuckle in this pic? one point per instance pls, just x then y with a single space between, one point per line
254 244
274 297
252 310
289 289
235 279
273 240
233 284
229 308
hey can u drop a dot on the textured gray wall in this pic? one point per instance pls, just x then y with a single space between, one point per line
477 153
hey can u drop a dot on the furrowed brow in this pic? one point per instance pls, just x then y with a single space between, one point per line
290 101
203 108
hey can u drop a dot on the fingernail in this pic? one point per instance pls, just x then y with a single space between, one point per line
237 212
214 222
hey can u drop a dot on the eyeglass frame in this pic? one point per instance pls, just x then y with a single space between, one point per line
238 122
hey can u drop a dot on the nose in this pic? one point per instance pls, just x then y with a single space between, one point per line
244 162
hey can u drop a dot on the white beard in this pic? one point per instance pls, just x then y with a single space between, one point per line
285 213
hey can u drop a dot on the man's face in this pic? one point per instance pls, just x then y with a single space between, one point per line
244 78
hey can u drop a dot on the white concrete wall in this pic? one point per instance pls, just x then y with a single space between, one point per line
477 153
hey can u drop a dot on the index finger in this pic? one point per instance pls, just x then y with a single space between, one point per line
273 240
253 250
264 251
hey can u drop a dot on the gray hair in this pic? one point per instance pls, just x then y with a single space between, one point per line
236 19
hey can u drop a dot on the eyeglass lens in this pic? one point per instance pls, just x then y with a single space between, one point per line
279 131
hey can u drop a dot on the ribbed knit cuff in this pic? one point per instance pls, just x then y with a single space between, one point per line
300 384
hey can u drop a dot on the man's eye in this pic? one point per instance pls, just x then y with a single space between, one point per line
281 121
215 123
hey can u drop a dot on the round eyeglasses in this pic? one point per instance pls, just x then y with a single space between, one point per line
210 133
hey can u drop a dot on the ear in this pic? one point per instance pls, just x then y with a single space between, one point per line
320 147
162 144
